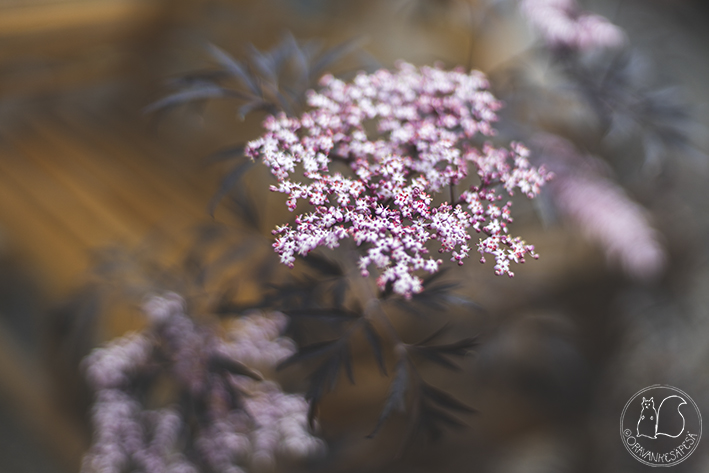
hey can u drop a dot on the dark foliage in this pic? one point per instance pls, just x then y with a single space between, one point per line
441 354
396 400
222 364
430 410
324 308
275 80
630 103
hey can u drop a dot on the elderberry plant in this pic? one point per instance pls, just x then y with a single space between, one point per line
395 165
379 157
393 172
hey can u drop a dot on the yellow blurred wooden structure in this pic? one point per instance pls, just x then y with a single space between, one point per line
79 168
48 45
75 175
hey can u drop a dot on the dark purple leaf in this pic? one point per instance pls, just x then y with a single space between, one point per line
376 342
396 400
197 92
308 352
228 183
235 68
221 363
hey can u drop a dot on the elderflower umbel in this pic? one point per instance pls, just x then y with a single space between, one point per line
424 120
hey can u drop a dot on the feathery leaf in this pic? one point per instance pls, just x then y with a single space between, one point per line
397 394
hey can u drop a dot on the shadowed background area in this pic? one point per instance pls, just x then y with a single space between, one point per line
101 202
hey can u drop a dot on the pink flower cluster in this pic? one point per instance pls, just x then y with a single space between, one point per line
601 210
562 24
398 138
241 424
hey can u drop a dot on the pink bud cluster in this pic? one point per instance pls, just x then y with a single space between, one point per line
398 137
562 24
264 424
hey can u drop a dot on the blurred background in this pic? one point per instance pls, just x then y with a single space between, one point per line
96 194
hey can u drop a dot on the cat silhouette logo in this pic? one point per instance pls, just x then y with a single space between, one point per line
649 424
661 434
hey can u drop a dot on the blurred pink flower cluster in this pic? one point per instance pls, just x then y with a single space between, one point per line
562 24
600 209
398 137
233 421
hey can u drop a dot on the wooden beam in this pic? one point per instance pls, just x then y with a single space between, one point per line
69 15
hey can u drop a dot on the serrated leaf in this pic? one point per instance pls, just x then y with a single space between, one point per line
322 380
225 154
334 54
456 300
197 77
256 104
434 291
234 67
346 358
311 49
198 92
459 348
281 100
430 414
433 336
434 296
283 51
439 415
444 399
222 363
308 352
407 306
228 183
247 210
376 343
430 279
325 377
397 394
431 418
263 63
300 59
433 356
